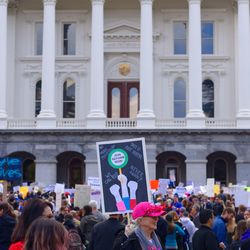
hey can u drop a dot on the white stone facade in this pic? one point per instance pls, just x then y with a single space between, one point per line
138 33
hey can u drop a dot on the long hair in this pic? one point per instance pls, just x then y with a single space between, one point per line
33 209
7 209
170 221
46 234
240 229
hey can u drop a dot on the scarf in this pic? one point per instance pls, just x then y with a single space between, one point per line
145 243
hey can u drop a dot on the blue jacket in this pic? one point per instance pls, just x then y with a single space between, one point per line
220 229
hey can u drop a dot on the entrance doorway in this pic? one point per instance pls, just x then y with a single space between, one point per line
123 99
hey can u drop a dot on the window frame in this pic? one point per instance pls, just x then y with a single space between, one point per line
63 39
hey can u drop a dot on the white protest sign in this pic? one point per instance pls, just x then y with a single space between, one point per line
163 186
172 175
94 183
180 191
241 196
82 195
1 188
96 196
58 201
210 187
59 188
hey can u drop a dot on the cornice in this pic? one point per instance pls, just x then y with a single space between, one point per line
3 3
49 2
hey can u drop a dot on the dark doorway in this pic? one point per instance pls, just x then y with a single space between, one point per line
171 162
123 99
221 166
71 168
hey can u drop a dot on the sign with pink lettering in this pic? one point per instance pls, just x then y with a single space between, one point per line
123 174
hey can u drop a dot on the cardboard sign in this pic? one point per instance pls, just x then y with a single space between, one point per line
216 189
123 174
154 184
59 188
163 186
94 183
24 190
210 187
82 195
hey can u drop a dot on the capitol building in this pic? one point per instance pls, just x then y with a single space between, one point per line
77 72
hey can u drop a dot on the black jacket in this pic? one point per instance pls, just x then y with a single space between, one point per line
103 234
205 239
245 245
7 225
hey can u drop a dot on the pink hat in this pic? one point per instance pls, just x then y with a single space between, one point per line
147 209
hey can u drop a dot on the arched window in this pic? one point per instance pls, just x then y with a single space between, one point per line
69 99
38 97
179 98
208 98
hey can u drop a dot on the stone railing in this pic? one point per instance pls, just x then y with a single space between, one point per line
171 123
217 123
70 123
21 123
121 123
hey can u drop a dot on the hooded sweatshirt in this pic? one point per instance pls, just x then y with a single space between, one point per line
189 225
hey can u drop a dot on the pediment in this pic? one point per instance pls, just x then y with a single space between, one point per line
123 28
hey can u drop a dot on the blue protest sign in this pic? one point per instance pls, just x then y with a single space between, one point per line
10 168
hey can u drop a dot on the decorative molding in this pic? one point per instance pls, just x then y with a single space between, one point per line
49 2
3 3
13 4
94 2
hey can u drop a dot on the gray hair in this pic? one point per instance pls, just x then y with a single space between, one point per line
93 204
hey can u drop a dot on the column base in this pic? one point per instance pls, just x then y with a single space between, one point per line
196 122
46 122
96 122
146 119
3 123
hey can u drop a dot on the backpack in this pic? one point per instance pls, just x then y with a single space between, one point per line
183 241
75 242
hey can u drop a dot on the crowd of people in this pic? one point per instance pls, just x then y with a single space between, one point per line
195 222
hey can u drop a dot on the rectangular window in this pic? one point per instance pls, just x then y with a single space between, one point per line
69 39
39 38
207 37
180 38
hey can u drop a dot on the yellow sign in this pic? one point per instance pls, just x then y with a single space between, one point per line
217 189
24 190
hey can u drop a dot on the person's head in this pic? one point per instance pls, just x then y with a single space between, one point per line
176 198
206 217
33 209
146 215
6 209
181 211
247 214
174 215
87 210
240 229
195 210
93 204
242 209
46 234
64 210
228 214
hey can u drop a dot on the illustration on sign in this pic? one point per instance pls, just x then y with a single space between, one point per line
122 167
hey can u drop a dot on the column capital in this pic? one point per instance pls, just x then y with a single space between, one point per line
49 2
97 2
4 2
242 1
146 1
194 1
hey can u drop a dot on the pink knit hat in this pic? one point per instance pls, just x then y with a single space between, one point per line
147 209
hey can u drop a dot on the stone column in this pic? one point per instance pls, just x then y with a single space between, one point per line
96 117
197 171
47 116
243 115
3 63
242 172
146 117
195 116
46 171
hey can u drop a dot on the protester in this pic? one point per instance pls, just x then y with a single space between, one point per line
240 214
144 237
219 226
87 223
240 230
33 209
46 234
246 234
204 238
173 229
103 233
194 213
99 216
7 224
247 214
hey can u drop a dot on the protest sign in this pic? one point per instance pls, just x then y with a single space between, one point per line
123 174
10 168
96 196
163 186
4 187
154 184
94 183
210 187
24 190
180 191
241 196
216 189
82 195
